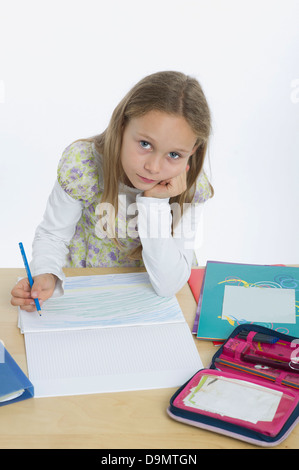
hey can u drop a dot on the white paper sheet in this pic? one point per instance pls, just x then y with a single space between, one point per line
111 359
108 335
111 300
235 399
257 304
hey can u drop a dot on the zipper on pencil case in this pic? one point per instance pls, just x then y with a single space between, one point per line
255 372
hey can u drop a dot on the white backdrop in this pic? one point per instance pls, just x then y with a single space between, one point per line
65 64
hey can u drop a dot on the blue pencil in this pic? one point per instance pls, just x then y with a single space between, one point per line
29 275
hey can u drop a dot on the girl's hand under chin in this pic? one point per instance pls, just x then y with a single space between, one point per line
169 188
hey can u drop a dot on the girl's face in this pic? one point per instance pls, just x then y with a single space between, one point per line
156 147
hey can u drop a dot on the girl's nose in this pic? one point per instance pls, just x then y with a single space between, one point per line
153 164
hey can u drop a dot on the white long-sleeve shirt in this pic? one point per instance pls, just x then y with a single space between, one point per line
166 257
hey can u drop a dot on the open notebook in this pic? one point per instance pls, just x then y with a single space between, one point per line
108 333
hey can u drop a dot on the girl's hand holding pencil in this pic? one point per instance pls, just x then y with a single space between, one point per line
23 295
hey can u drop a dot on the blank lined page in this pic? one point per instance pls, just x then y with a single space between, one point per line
111 359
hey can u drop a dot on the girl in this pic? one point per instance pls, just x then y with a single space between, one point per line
149 162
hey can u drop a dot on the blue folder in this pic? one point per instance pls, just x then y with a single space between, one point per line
12 380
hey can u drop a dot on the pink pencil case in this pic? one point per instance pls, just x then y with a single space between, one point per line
251 390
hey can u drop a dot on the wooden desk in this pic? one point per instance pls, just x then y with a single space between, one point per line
126 420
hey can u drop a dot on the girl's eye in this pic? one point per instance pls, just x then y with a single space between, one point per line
144 144
147 146
174 155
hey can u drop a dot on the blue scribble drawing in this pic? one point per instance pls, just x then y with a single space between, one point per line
104 301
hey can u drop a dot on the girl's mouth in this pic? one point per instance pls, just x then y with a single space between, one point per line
146 180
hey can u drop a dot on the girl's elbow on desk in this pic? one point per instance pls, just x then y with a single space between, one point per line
166 289
164 292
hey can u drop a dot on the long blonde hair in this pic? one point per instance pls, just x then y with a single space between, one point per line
169 92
